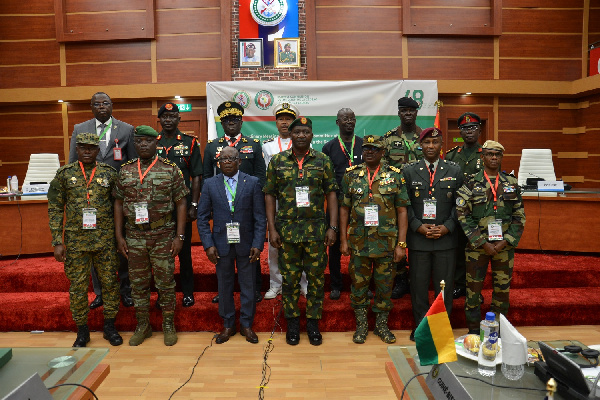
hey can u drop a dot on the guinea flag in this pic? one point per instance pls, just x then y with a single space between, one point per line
434 337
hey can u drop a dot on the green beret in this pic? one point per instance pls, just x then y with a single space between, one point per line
373 141
87 138
302 121
145 130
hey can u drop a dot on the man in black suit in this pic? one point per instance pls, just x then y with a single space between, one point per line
116 148
237 206
433 226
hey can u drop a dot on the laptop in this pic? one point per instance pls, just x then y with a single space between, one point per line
32 389
572 384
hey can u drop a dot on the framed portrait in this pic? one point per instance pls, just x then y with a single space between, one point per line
250 53
287 52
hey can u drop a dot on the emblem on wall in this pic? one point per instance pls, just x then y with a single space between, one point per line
268 12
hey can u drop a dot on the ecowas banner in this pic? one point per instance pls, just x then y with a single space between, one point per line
375 104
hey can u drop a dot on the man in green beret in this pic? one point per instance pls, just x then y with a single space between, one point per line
149 189
81 195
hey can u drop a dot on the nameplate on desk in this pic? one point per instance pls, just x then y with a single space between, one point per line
551 186
443 384
40 188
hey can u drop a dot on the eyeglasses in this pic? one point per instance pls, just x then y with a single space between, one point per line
227 160
468 128
104 103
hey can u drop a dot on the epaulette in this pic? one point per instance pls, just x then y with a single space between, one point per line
129 162
257 141
395 169
244 140
221 140
352 168
210 141
269 140
410 164
168 162
451 162
391 132
105 165
192 136
452 149
66 166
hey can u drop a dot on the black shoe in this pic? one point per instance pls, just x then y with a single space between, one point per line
335 294
215 299
412 336
111 334
401 287
188 301
127 300
292 336
257 296
97 302
314 335
370 294
83 336
459 292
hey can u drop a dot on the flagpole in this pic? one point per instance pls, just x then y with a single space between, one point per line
442 285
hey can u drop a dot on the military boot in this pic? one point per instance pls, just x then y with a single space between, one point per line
83 336
142 330
362 325
312 329
292 336
110 332
381 328
169 328
401 286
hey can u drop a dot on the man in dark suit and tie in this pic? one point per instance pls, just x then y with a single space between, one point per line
433 226
116 148
236 203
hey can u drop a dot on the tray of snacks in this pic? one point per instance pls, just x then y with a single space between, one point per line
467 346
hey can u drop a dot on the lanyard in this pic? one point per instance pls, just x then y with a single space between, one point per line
87 183
232 193
431 176
148 169
300 162
372 179
279 142
349 155
233 144
106 129
493 188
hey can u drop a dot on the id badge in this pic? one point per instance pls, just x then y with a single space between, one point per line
89 218
117 156
233 232
302 199
141 213
495 230
371 216
429 209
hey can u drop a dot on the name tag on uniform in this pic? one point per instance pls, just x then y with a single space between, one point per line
117 155
141 213
371 216
89 218
495 230
429 209
302 199
233 232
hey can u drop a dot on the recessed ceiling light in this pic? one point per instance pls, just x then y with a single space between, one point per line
468 93
177 97
60 101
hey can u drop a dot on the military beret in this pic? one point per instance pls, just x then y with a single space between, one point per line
230 108
468 119
167 107
492 145
87 138
250 45
373 141
145 130
407 102
433 132
285 108
302 121
287 45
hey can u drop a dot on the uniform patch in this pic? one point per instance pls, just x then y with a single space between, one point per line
460 201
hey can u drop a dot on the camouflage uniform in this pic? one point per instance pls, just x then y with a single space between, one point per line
373 245
401 149
302 229
475 209
149 244
86 247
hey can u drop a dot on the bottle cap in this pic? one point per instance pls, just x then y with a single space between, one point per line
490 316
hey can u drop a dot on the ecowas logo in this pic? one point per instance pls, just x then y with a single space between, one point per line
242 98
263 99
268 12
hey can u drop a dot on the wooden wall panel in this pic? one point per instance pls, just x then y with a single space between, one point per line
380 68
169 4
478 17
39 52
590 117
74 6
126 73
188 70
107 51
106 24
551 46
546 3
542 20
546 70
372 44
188 21
450 68
594 24
30 76
32 125
535 118
578 167
27 7
358 19
27 27
451 47
188 46
21 149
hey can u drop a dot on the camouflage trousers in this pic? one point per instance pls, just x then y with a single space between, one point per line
151 252
78 262
310 258
383 271
477 265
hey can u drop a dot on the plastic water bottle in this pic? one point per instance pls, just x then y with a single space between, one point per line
14 184
513 372
486 361
484 326
8 184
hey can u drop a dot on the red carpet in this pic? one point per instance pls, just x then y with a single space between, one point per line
546 290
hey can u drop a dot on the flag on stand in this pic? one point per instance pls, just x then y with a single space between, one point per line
212 126
436 123
434 337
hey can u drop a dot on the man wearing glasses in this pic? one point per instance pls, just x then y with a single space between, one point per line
490 211
468 158
116 148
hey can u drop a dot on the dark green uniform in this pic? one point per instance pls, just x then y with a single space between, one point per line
302 229
288 57
373 245
401 148
149 243
86 247
475 209
251 156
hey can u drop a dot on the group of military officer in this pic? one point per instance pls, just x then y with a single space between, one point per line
399 195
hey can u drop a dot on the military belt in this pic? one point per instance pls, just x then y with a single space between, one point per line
152 225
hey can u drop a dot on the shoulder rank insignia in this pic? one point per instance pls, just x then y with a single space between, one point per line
395 169
171 163
244 140
351 168
210 141
178 137
452 149
269 140
130 161
257 141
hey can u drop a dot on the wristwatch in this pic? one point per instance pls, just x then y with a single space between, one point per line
335 228
402 244
181 237
194 205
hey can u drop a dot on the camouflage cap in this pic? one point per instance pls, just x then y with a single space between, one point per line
433 132
87 138
302 121
145 130
492 145
285 109
407 102
373 141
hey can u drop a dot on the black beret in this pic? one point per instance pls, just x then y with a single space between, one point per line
168 107
407 102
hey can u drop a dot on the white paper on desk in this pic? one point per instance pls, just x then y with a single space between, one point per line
514 345
591 374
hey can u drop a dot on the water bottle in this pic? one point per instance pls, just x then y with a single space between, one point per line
14 184
8 184
486 360
513 372
484 326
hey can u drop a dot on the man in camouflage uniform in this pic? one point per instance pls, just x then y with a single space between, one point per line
490 211
468 157
183 150
402 147
251 156
148 190
300 179
374 202
85 188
